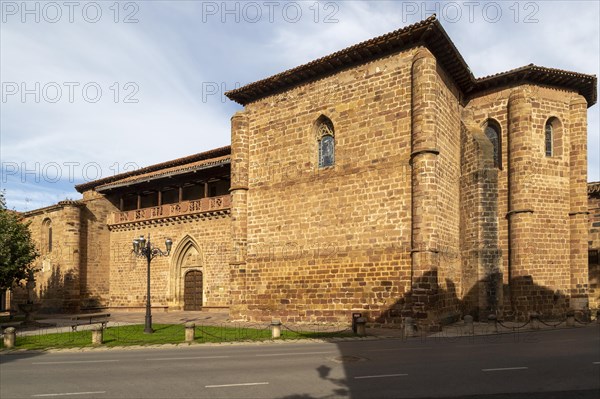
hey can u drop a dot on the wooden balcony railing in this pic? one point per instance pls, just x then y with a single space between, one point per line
171 210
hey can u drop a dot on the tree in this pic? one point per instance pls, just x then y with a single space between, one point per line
17 251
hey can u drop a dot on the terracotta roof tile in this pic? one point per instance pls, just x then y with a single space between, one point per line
584 84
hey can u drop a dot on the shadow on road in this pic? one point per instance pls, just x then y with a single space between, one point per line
355 372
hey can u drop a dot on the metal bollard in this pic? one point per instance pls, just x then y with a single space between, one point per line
190 332
494 319
355 316
275 329
9 337
468 319
570 318
97 335
361 326
535 320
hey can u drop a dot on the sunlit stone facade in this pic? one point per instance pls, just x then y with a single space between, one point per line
383 179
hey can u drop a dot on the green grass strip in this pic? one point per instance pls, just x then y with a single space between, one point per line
163 334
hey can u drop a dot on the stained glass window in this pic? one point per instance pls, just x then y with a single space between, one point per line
326 151
325 135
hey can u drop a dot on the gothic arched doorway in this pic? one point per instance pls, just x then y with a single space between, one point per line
186 258
192 290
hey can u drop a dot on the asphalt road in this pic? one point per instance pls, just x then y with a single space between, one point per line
547 364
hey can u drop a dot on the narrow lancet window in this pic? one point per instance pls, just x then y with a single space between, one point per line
492 131
548 141
46 236
326 139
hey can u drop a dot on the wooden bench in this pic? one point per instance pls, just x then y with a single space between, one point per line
90 318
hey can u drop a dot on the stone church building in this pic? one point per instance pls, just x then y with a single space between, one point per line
383 179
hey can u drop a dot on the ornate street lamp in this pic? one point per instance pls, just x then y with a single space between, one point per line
144 249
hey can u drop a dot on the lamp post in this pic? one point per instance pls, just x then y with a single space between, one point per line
144 249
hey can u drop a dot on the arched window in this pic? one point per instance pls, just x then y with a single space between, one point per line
549 132
326 139
47 235
553 138
492 132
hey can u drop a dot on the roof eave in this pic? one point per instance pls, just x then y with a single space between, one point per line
116 185
54 207
585 85
214 153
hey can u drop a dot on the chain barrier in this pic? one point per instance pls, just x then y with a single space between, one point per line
583 322
552 325
513 327
308 333
204 332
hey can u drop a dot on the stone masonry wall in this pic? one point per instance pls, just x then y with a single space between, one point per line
325 242
435 157
199 243
539 275
480 255
494 106
594 245
57 278
95 251
447 172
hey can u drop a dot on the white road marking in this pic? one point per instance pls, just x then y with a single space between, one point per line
188 358
78 362
292 354
506 369
379 376
67 394
237 385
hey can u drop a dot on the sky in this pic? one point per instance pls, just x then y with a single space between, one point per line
94 88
